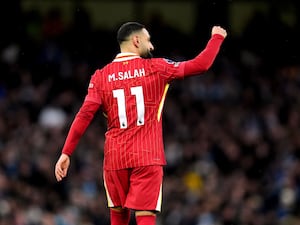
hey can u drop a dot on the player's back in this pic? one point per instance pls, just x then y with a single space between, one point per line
132 96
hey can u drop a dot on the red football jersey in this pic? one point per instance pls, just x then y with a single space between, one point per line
131 91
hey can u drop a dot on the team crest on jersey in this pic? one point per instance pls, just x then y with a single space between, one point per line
169 61
91 85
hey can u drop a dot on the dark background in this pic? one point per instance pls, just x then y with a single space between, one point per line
231 135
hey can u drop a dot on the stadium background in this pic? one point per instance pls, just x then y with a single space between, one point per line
231 136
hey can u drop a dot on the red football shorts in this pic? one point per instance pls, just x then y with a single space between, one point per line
137 188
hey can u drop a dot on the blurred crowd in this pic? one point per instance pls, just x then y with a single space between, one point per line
232 136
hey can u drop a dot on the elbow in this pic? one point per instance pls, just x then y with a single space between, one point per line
205 67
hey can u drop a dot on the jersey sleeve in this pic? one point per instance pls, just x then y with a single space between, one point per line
93 93
201 63
204 60
79 125
167 68
84 116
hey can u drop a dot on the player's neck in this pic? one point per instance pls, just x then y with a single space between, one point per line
129 49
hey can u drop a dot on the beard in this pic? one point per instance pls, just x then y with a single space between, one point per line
147 55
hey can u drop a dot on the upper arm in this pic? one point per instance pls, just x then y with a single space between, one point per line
93 92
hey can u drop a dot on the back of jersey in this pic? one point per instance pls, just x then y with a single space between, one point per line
132 96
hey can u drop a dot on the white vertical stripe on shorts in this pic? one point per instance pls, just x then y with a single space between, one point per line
109 201
159 200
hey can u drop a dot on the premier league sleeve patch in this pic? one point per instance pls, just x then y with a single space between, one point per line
91 85
171 62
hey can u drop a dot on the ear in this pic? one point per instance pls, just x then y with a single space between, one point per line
135 40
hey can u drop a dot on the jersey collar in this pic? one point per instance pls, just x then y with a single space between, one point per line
124 56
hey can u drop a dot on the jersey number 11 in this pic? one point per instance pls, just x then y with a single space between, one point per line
140 105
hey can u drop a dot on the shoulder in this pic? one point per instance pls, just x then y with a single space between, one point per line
103 70
164 63
170 62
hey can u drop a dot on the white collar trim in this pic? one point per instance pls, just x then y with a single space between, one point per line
124 56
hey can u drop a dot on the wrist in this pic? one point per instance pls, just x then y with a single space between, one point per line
66 154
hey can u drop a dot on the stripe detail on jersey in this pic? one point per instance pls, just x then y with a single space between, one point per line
161 104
